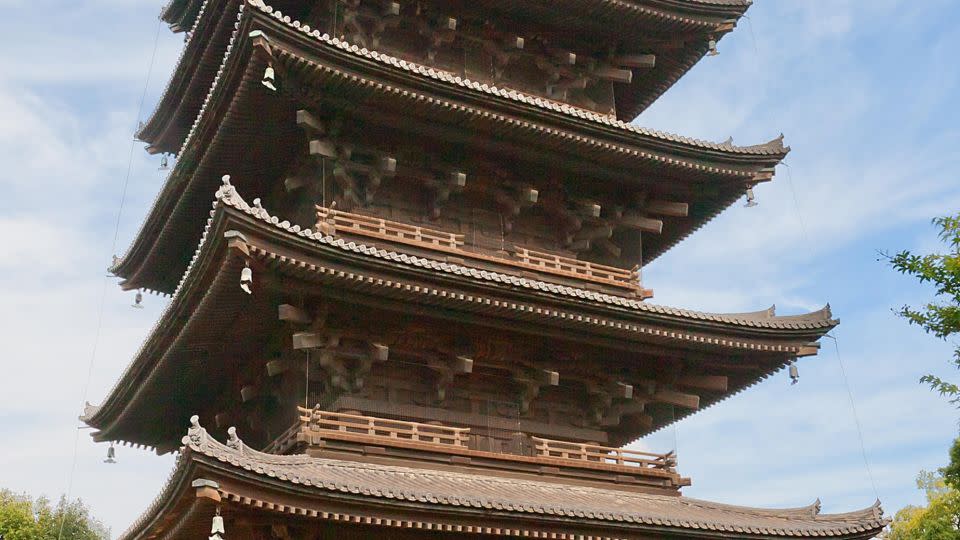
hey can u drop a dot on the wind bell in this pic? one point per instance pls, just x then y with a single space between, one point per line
164 163
712 47
794 374
138 300
269 78
111 455
246 279
751 198
216 528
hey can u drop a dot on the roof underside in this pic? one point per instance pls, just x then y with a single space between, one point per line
710 175
208 305
684 25
446 498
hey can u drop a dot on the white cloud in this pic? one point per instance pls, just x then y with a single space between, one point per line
873 158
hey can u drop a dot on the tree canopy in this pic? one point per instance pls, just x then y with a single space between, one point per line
941 316
939 520
25 518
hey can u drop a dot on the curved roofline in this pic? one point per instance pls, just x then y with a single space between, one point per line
773 147
685 325
614 508
663 151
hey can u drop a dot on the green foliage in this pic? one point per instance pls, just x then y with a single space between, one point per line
941 317
24 518
939 520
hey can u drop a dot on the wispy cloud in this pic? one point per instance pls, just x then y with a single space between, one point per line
861 90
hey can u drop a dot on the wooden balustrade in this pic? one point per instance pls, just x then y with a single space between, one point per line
548 262
335 221
387 230
316 419
603 454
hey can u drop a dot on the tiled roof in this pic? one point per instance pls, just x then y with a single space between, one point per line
774 147
531 497
820 319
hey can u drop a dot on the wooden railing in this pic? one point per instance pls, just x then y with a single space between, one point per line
336 221
547 262
387 230
316 420
603 454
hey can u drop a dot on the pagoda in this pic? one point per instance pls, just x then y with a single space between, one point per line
404 244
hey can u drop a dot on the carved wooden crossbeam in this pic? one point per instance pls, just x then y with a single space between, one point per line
447 368
530 381
347 169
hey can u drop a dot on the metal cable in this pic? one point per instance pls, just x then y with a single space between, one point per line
103 292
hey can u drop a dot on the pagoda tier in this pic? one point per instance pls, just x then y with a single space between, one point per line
409 333
499 167
267 496
615 58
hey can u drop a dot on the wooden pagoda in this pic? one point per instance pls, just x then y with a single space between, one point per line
417 293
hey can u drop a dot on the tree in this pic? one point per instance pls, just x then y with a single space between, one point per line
940 317
25 518
939 520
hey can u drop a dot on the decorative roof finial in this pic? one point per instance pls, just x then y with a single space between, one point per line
233 441
196 435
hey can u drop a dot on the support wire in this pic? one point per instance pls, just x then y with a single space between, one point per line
103 292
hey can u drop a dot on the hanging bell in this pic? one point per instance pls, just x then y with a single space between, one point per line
164 163
712 47
269 78
751 198
138 301
111 454
246 279
794 374
216 528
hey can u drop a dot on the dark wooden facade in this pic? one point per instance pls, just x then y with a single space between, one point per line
418 293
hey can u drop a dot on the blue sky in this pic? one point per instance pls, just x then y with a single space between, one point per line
866 93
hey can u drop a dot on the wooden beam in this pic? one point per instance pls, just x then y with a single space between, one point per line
313 340
636 60
324 148
462 364
667 208
690 401
458 179
606 245
642 223
293 314
612 74
248 393
547 377
718 383
391 9
514 42
379 352
295 182
594 233
309 123
276 367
